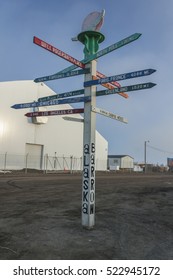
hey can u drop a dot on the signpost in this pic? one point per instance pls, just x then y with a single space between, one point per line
55 112
91 40
120 77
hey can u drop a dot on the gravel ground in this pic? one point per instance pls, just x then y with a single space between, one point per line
41 217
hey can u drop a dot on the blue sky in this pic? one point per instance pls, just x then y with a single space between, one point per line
149 112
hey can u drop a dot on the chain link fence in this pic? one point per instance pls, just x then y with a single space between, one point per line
46 163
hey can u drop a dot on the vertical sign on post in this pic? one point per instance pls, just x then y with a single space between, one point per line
91 40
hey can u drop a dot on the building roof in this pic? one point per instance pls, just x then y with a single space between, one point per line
118 156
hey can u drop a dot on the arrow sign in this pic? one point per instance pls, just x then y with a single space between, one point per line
62 95
67 57
62 75
73 119
120 77
51 103
109 115
58 52
126 88
111 48
55 112
107 50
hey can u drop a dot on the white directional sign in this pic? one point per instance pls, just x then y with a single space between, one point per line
109 114
73 119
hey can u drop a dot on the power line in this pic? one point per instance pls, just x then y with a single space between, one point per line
159 150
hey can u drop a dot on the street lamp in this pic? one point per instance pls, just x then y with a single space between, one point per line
145 155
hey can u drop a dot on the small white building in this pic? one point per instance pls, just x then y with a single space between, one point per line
116 162
43 142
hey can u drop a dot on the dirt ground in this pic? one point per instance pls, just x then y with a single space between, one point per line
40 217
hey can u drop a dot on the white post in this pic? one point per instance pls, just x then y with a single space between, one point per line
88 186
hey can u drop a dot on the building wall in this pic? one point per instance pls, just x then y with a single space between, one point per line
126 162
56 136
123 162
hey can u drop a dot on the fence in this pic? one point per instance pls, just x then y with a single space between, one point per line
46 163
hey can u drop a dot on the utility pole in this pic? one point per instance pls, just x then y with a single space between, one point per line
145 155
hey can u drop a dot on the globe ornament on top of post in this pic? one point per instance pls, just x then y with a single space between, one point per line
90 35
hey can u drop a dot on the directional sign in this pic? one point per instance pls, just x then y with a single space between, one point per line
111 48
73 119
55 112
126 88
62 75
67 57
62 95
119 77
51 103
58 52
109 115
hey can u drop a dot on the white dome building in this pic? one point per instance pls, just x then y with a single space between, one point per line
49 143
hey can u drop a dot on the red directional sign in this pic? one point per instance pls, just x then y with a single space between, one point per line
71 59
55 112
58 52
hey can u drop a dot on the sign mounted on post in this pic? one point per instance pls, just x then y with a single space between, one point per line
54 113
126 88
50 103
119 77
62 75
109 114
58 52
62 95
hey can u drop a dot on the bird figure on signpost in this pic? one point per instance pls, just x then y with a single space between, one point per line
93 22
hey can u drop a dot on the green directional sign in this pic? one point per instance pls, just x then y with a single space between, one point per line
126 88
105 51
113 47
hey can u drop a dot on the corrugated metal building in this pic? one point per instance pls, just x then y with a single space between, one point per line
116 162
25 141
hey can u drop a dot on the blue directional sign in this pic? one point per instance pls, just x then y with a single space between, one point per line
105 51
120 77
126 88
62 95
51 103
62 75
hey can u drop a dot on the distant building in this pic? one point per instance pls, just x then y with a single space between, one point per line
170 163
116 162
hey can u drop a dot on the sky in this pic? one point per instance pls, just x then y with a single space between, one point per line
149 112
